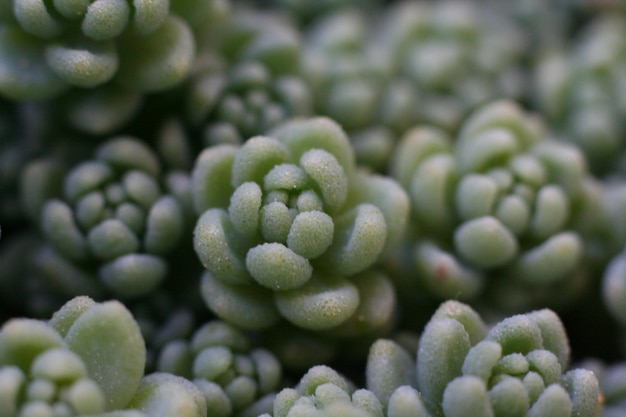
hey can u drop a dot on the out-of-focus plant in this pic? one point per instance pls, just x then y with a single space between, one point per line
518 367
456 54
235 377
116 220
581 91
612 379
289 227
496 210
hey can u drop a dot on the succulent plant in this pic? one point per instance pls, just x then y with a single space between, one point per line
247 82
496 209
353 83
235 377
581 91
88 359
116 220
287 224
518 367
457 55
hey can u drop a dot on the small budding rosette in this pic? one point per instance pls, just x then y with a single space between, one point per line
517 368
582 91
323 392
249 82
287 223
496 209
234 377
115 220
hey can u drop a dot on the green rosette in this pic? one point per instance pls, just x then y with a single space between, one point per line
498 210
87 360
579 89
115 220
287 223
234 377
517 368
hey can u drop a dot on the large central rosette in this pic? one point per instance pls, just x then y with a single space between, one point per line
287 222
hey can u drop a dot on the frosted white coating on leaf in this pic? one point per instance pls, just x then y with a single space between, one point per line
168 395
311 234
64 317
322 303
58 365
317 133
249 307
277 267
442 350
256 158
324 169
360 236
481 359
517 334
584 392
388 367
466 315
212 234
244 207
509 398
553 402
406 401
22 340
466 395
110 343
211 178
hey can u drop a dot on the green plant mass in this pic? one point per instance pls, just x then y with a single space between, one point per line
332 208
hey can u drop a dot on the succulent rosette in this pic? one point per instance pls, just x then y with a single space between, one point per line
457 54
235 377
88 359
246 81
581 91
116 220
287 225
496 210
516 368
353 83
